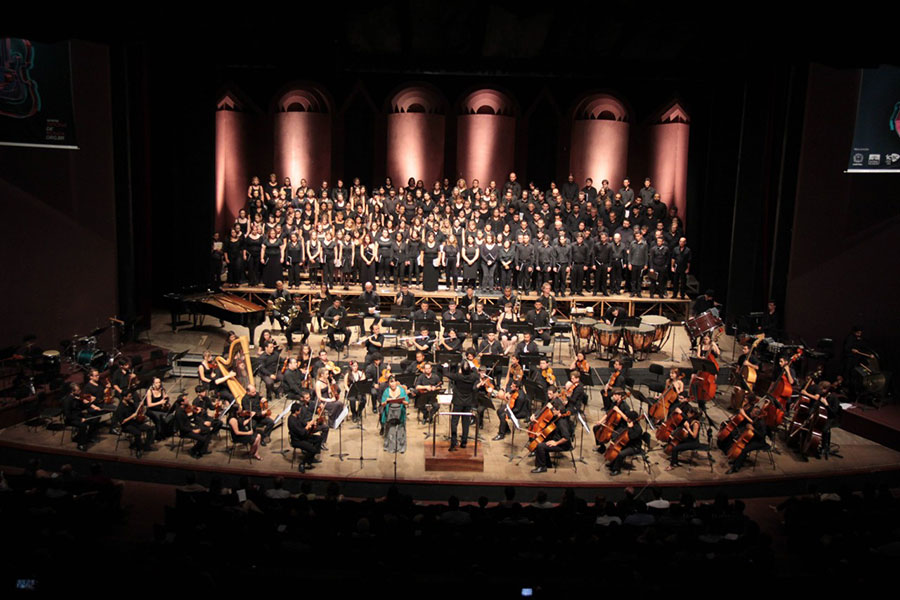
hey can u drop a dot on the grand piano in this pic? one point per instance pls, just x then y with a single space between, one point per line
222 306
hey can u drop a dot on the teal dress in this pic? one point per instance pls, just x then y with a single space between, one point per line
395 426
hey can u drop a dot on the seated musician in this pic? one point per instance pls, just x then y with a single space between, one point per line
635 442
689 436
616 380
512 396
543 376
614 315
746 358
156 403
280 297
757 442
300 427
479 316
405 300
268 368
262 419
783 382
421 342
122 377
490 345
559 440
577 397
240 427
292 383
450 342
548 300
580 363
820 396
428 382
424 314
369 300
453 313
414 366
526 346
93 388
80 413
507 338
317 410
374 343
508 297
208 409
704 303
539 318
136 424
334 323
184 422
617 406
327 394
377 373
299 322
207 371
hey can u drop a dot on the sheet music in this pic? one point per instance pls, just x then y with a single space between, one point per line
513 418
340 418
286 411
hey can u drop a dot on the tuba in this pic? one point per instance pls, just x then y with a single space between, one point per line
228 364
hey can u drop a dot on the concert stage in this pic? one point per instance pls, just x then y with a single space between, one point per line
505 463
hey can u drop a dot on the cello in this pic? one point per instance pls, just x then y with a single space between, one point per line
612 453
665 431
603 431
542 427
660 409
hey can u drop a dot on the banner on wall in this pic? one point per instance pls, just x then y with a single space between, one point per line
36 95
876 137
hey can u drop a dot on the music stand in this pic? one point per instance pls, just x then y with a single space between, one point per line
512 454
451 358
481 328
430 326
357 389
530 360
490 361
458 326
338 422
521 328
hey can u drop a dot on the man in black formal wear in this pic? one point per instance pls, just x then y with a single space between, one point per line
464 382
559 440
334 322
540 320
681 266
268 368
300 427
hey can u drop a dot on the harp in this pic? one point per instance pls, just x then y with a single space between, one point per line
227 364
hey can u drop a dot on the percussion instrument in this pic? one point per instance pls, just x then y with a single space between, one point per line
640 339
660 327
584 329
608 336
95 359
51 361
703 323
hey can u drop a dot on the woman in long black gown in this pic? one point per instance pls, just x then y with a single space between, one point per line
252 245
368 254
234 257
430 255
272 256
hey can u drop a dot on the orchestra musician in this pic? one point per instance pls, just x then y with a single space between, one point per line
334 322
453 313
327 395
560 439
616 379
688 436
133 421
356 399
240 425
757 421
405 300
370 300
746 358
374 342
262 419
123 377
378 374
427 382
580 363
424 314
279 297
574 392
82 415
188 428
490 345
704 383
292 381
511 396
451 343
782 384
268 368
526 346
635 441
300 425
299 322
540 320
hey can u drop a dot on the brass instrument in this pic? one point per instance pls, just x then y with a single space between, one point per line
225 366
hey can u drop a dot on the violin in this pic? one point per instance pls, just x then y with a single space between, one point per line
264 408
612 453
612 382
108 393
548 376
582 365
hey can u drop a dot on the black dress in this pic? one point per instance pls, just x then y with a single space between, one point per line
469 271
272 269
430 272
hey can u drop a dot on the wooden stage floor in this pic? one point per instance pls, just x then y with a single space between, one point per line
860 457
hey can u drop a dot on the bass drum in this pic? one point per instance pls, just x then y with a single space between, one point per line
703 323
94 359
